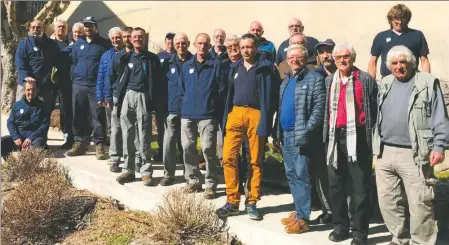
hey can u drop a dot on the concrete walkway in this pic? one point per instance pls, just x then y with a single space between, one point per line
94 176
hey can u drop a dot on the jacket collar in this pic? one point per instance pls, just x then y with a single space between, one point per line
209 61
174 57
260 63
300 75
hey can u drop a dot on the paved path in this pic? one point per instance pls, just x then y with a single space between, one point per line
94 175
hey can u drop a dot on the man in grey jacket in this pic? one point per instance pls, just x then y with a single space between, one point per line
410 137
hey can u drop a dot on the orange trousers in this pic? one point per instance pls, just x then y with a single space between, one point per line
242 121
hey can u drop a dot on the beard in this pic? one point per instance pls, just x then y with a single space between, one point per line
39 34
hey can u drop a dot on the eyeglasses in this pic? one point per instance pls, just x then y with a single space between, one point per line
345 57
295 57
181 43
294 26
218 36
403 62
35 27
233 46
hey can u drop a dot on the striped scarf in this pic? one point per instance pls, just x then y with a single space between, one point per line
351 136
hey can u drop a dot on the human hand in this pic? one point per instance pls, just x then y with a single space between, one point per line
26 143
18 143
435 158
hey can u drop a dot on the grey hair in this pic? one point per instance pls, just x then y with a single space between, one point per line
64 23
233 38
114 29
296 47
400 51
347 45
299 34
78 25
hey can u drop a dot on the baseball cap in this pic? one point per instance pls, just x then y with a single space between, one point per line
170 35
89 19
327 42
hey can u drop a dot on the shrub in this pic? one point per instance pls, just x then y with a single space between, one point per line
184 218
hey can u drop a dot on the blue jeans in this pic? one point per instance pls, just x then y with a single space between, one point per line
297 172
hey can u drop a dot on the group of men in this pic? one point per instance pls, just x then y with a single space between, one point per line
329 118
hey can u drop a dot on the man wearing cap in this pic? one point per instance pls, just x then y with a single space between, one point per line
399 34
295 26
265 47
161 96
86 55
327 62
218 50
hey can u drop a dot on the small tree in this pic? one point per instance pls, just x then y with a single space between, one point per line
16 17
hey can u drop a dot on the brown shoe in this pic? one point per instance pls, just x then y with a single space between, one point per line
298 226
290 219
192 188
209 193
126 177
147 180
78 149
99 152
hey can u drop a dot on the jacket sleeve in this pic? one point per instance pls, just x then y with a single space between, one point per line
42 130
157 84
74 62
373 99
11 124
318 103
439 119
21 64
100 84
113 70
181 87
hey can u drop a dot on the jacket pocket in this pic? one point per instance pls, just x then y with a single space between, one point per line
79 72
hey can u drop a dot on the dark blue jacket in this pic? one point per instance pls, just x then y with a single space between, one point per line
113 74
310 99
102 86
28 120
36 59
268 80
214 55
161 96
173 76
200 90
86 60
267 49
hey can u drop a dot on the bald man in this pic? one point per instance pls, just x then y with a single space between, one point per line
35 57
218 50
295 26
265 47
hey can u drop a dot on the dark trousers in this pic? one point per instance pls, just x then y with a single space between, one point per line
8 145
360 174
66 110
319 178
161 117
85 104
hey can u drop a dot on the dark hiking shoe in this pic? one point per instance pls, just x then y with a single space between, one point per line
99 152
78 149
227 210
115 168
253 213
126 178
166 182
209 193
147 180
325 218
192 188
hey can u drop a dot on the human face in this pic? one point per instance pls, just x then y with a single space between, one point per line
296 60
169 45
36 29
61 29
295 26
126 36
325 55
77 33
343 60
248 49
30 91
233 48
297 39
116 39
399 24
400 69
256 29
138 39
202 45
181 44
219 37
90 29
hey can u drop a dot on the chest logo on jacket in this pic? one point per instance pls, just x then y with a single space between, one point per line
388 39
82 47
172 70
36 48
162 60
191 71
21 111
130 65
236 75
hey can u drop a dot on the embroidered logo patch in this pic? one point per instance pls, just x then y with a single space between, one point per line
21 111
35 48
130 65
191 71
162 60
82 47
285 49
236 75
172 70
388 39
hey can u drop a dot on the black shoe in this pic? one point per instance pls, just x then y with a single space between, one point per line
115 168
315 207
325 218
166 182
338 235
358 241
157 158
67 145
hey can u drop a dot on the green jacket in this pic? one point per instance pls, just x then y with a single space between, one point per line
427 117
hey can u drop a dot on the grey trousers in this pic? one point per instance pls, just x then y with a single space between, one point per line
208 136
172 136
396 172
135 113
220 143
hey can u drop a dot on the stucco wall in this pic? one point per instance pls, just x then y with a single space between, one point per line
356 22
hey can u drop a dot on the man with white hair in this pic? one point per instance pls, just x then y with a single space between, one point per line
298 39
218 50
349 117
77 32
295 26
300 87
265 47
410 137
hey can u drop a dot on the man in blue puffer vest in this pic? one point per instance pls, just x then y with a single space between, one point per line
27 124
86 54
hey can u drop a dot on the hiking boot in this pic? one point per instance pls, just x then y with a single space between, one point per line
115 168
126 177
78 149
166 181
209 193
325 218
290 219
192 188
253 213
298 226
227 210
147 180
99 152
